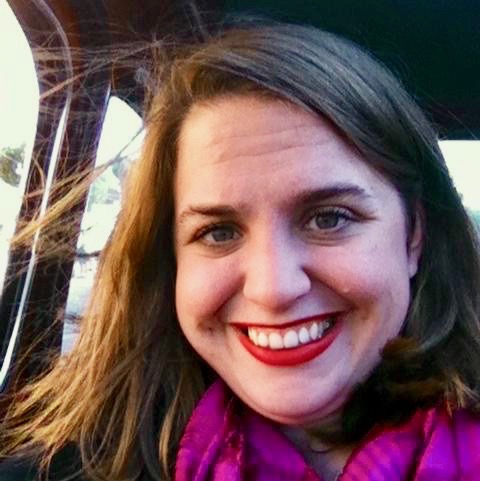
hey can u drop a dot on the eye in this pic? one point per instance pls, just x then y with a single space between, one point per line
217 234
328 219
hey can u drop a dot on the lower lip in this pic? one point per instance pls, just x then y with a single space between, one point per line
293 356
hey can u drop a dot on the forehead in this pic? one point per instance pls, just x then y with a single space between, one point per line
240 143
247 125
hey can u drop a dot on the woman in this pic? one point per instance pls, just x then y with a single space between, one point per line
293 260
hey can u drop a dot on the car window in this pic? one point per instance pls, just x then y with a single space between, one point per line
121 137
463 161
19 100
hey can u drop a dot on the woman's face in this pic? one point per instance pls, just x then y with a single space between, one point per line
282 231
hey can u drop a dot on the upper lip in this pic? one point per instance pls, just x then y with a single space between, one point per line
317 317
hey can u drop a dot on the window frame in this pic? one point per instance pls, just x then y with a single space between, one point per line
34 298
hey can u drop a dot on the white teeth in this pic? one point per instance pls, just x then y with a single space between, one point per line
303 335
275 340
252 334
262 339
321 329
290 339
314 331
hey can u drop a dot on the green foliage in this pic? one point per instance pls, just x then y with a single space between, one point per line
11 159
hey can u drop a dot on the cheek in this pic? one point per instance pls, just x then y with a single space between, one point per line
374 279
203 285
375 284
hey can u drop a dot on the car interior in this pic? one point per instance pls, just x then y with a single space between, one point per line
432 47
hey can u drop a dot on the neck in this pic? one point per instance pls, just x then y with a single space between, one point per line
329 464
326 459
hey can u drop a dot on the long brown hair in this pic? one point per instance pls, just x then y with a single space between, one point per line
125 392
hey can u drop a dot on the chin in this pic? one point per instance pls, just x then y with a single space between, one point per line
297 410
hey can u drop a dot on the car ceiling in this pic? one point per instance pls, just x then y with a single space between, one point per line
433 46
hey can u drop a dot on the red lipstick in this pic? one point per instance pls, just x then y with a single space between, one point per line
291 356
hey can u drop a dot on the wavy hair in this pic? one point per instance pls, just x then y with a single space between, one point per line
125 392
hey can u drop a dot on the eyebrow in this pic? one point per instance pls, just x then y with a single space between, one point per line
306 197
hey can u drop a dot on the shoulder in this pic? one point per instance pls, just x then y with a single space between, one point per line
64 464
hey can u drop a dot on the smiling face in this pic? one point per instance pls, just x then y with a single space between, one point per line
282 231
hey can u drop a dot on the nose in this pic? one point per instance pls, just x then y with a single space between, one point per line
274 274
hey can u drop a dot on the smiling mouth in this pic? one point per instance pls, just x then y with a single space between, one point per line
288 346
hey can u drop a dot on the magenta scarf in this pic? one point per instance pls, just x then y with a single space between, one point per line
226 441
